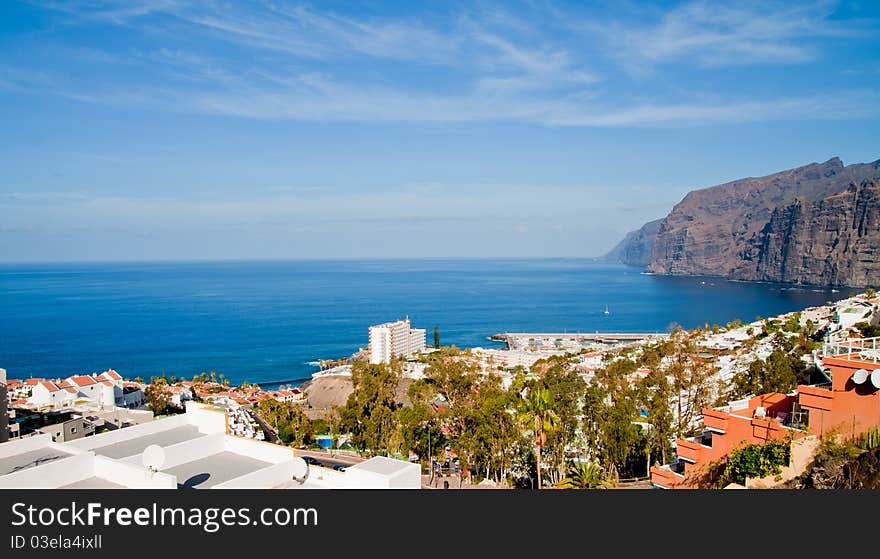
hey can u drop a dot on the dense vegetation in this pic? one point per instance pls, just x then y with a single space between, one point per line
583 435
288 420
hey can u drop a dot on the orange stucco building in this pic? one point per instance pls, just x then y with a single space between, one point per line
849 406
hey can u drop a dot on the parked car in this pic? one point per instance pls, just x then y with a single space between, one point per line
312 461
339 468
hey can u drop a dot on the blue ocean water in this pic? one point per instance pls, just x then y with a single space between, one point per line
265 321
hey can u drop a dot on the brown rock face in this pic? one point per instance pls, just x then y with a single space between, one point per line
636 248
816 225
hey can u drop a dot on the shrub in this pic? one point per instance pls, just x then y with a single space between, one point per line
756 460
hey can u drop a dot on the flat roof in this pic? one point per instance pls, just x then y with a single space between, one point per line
214 469
92 483
30 459
381 465
131 447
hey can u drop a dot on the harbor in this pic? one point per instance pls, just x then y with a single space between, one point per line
523 340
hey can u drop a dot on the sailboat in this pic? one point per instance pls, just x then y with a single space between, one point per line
606 310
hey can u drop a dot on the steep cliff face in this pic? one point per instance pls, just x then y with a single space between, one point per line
637 247
834 241
816 225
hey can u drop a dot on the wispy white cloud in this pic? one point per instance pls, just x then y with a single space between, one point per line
500 67
716 34
852 104
313 97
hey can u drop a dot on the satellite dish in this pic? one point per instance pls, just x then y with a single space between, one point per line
300 469
153 457
860 376
875 378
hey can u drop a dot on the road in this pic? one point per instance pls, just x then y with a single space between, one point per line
329 459
270 433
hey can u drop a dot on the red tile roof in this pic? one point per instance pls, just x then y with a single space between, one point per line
33 381
71 389
82 380
50 386
110 374
107 383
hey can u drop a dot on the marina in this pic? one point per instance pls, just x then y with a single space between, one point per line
518 340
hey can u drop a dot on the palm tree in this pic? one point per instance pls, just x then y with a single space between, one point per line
537 414
585 475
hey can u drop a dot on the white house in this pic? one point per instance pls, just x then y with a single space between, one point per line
54 394
105 390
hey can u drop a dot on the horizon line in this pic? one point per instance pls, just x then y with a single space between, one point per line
297 259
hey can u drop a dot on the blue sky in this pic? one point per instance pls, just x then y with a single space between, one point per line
269 129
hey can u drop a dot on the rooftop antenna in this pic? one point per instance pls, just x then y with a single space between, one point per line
153 458
300 470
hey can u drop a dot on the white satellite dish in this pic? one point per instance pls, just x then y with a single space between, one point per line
875 378
860 376
300 469
153 458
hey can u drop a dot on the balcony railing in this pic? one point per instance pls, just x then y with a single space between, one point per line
861 349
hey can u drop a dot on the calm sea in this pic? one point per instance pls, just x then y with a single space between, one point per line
266 321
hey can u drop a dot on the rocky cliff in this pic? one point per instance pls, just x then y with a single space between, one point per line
816 225
832 241
636 247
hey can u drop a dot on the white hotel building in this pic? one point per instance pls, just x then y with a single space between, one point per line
395 339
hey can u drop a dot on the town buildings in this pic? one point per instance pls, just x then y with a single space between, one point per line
4 408
848 406
197 451
395 339
106 390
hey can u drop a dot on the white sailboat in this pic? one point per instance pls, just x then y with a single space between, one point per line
606 310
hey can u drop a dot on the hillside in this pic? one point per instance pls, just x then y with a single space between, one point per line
636 248
817 225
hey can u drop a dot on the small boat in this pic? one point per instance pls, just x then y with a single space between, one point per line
606 310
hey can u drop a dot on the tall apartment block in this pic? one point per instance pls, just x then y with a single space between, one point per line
395 339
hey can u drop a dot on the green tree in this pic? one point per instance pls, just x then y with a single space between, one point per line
157 396
567 390
586 475
538 416
781 372
452 381
491 439
288 420
690 380
868 330
437 337
654 396
420 431
369 413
